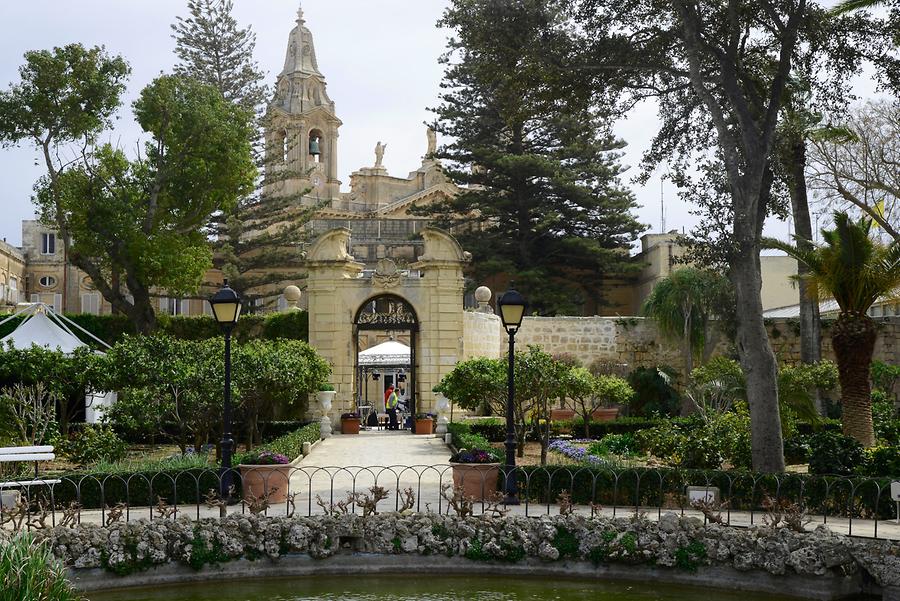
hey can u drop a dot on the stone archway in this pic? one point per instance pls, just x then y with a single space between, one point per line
338 286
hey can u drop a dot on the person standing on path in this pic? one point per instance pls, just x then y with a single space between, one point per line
391 400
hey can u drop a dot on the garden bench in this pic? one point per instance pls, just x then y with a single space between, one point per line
35 454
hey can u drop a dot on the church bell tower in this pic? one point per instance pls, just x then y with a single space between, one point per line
302 127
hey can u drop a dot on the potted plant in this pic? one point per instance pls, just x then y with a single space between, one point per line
476 471
325 396
266 472
424 423
350 423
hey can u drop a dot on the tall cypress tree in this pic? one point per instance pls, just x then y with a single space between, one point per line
542 201
258 245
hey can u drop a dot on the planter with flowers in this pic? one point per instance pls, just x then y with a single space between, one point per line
350 423
265 472
424 423
476 471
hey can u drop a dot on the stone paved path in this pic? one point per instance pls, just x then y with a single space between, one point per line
401 460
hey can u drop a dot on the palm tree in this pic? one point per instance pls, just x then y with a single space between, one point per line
847 6
855 270
683 304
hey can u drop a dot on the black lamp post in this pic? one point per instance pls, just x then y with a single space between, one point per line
226 307
512 310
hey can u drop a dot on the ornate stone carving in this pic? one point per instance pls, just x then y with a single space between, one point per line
396 313
386 274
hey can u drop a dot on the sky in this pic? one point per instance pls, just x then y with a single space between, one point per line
379 59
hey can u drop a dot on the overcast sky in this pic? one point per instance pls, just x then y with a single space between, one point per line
379 59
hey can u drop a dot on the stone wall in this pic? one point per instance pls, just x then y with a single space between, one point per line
635 341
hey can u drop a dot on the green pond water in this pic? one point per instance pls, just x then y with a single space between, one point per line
427 588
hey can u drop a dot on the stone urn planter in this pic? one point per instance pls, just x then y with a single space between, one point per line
259 480
478 480
350 424
424 425
325 398
605 414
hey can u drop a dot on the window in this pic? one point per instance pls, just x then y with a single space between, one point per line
13 290
48 243
90 303
48 281
172 306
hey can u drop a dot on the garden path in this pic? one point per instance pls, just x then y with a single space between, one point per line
394 460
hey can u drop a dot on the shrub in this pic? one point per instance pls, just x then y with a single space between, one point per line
653 393
290 445
28 570
885 418
662 440
797 449
464 438
615 444
833 453
881 461
90 445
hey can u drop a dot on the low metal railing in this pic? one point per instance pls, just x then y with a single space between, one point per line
854 506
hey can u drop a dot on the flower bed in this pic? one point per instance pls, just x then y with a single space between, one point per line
573 450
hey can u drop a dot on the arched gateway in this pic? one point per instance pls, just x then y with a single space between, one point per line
421 306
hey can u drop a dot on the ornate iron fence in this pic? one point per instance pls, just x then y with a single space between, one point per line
854 506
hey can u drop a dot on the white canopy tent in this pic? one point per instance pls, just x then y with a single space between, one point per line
386 354
43 327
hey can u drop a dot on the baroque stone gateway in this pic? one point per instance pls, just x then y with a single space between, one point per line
674 545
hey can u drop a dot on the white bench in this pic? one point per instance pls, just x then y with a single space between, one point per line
39 453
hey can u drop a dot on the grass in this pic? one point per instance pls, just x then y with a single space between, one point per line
29 572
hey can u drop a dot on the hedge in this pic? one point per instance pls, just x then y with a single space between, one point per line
269 429
495 430
464 438
182 481
743 491
110 328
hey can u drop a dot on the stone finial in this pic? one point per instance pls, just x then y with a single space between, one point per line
292 296
483 298
300 12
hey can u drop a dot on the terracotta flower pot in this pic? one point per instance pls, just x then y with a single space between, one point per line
257 480
605 414
424 426
478 480
350 426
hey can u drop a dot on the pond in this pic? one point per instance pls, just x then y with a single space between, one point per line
420 588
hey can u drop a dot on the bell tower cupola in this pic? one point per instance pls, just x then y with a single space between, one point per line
302 126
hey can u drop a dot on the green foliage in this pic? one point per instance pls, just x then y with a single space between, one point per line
566 543
66 376
613 390
884 376
91 445
684 303
206 552
464 438
881 461
834 454
885 419
29 571
293 325
623 445
690 556
290 445
653 395
541 198
476 552
475 383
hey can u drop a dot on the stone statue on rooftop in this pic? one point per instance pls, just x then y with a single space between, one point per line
432 140
379 154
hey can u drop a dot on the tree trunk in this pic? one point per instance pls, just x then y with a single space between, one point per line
758 363
687 407
810 329
853 338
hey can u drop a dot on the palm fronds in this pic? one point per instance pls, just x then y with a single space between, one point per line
851 267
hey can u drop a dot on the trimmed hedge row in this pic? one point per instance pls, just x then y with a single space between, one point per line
495 430
110 328
742 491
176 484
465 438
269 429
